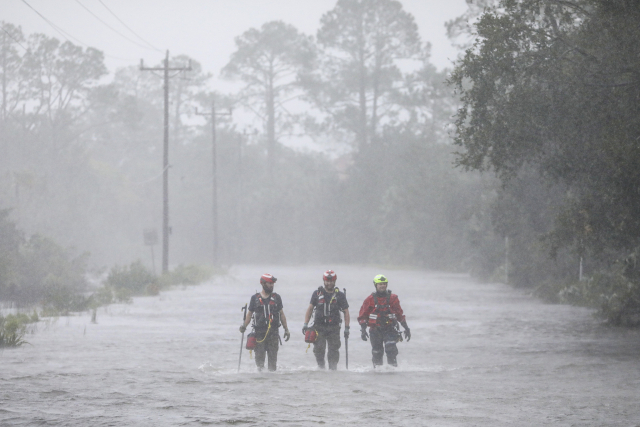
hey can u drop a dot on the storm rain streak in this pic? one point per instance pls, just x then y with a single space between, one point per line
480 354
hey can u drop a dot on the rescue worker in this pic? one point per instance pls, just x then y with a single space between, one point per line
266 309
381 311
328 301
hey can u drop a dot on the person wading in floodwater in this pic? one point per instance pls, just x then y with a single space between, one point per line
266 309
381 311
328 302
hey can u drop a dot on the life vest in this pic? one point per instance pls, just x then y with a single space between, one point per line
382 315
266 313
327 310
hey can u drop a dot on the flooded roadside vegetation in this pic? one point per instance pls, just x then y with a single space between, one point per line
453 242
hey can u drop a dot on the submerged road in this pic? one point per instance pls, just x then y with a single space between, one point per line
480 355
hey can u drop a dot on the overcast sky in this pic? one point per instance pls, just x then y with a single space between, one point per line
201 29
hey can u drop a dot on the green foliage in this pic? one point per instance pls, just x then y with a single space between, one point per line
127 281
269 62
361 43
187 275
615 296
102 296
550 105
10 241
49 276
615 292
13 328
104 149
38 271
621 304
11 339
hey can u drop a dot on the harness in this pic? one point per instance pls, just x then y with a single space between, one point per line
323 315
382 315
267 315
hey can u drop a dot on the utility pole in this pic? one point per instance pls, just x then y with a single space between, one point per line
506 260
4 77
3 140
214 175
165 160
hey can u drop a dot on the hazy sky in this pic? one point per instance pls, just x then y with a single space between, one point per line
201 29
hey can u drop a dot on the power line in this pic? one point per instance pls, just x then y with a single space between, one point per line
128 28
62 33
54 26
13 38
110 27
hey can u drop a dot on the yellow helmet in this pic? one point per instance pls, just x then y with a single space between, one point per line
380 278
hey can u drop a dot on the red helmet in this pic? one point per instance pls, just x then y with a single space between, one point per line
330 276
267 278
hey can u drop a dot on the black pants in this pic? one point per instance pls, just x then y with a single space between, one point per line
383 340
327 337
268 347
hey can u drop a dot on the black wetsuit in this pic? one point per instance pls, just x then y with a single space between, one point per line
327 323
265 311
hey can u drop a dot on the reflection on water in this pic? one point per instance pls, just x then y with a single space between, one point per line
480 354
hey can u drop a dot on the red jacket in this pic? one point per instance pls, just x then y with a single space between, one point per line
388 309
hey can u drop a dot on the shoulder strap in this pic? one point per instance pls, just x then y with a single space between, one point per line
335 294
387 299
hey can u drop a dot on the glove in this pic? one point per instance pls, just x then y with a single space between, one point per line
287 335
346 332
407 331
305 327
243 328
363 333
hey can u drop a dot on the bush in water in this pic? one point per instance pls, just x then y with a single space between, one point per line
37 271
130 280
614 294
123 283
186 275
13 328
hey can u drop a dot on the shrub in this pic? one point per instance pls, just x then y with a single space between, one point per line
103 296
123 283
47 274
123 295
131 280
619 299
13 328
186 275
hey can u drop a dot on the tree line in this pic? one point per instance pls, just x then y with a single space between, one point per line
92 155
550 95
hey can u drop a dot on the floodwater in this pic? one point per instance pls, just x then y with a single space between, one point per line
480 355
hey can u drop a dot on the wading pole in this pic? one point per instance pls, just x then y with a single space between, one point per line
244 315
346 340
